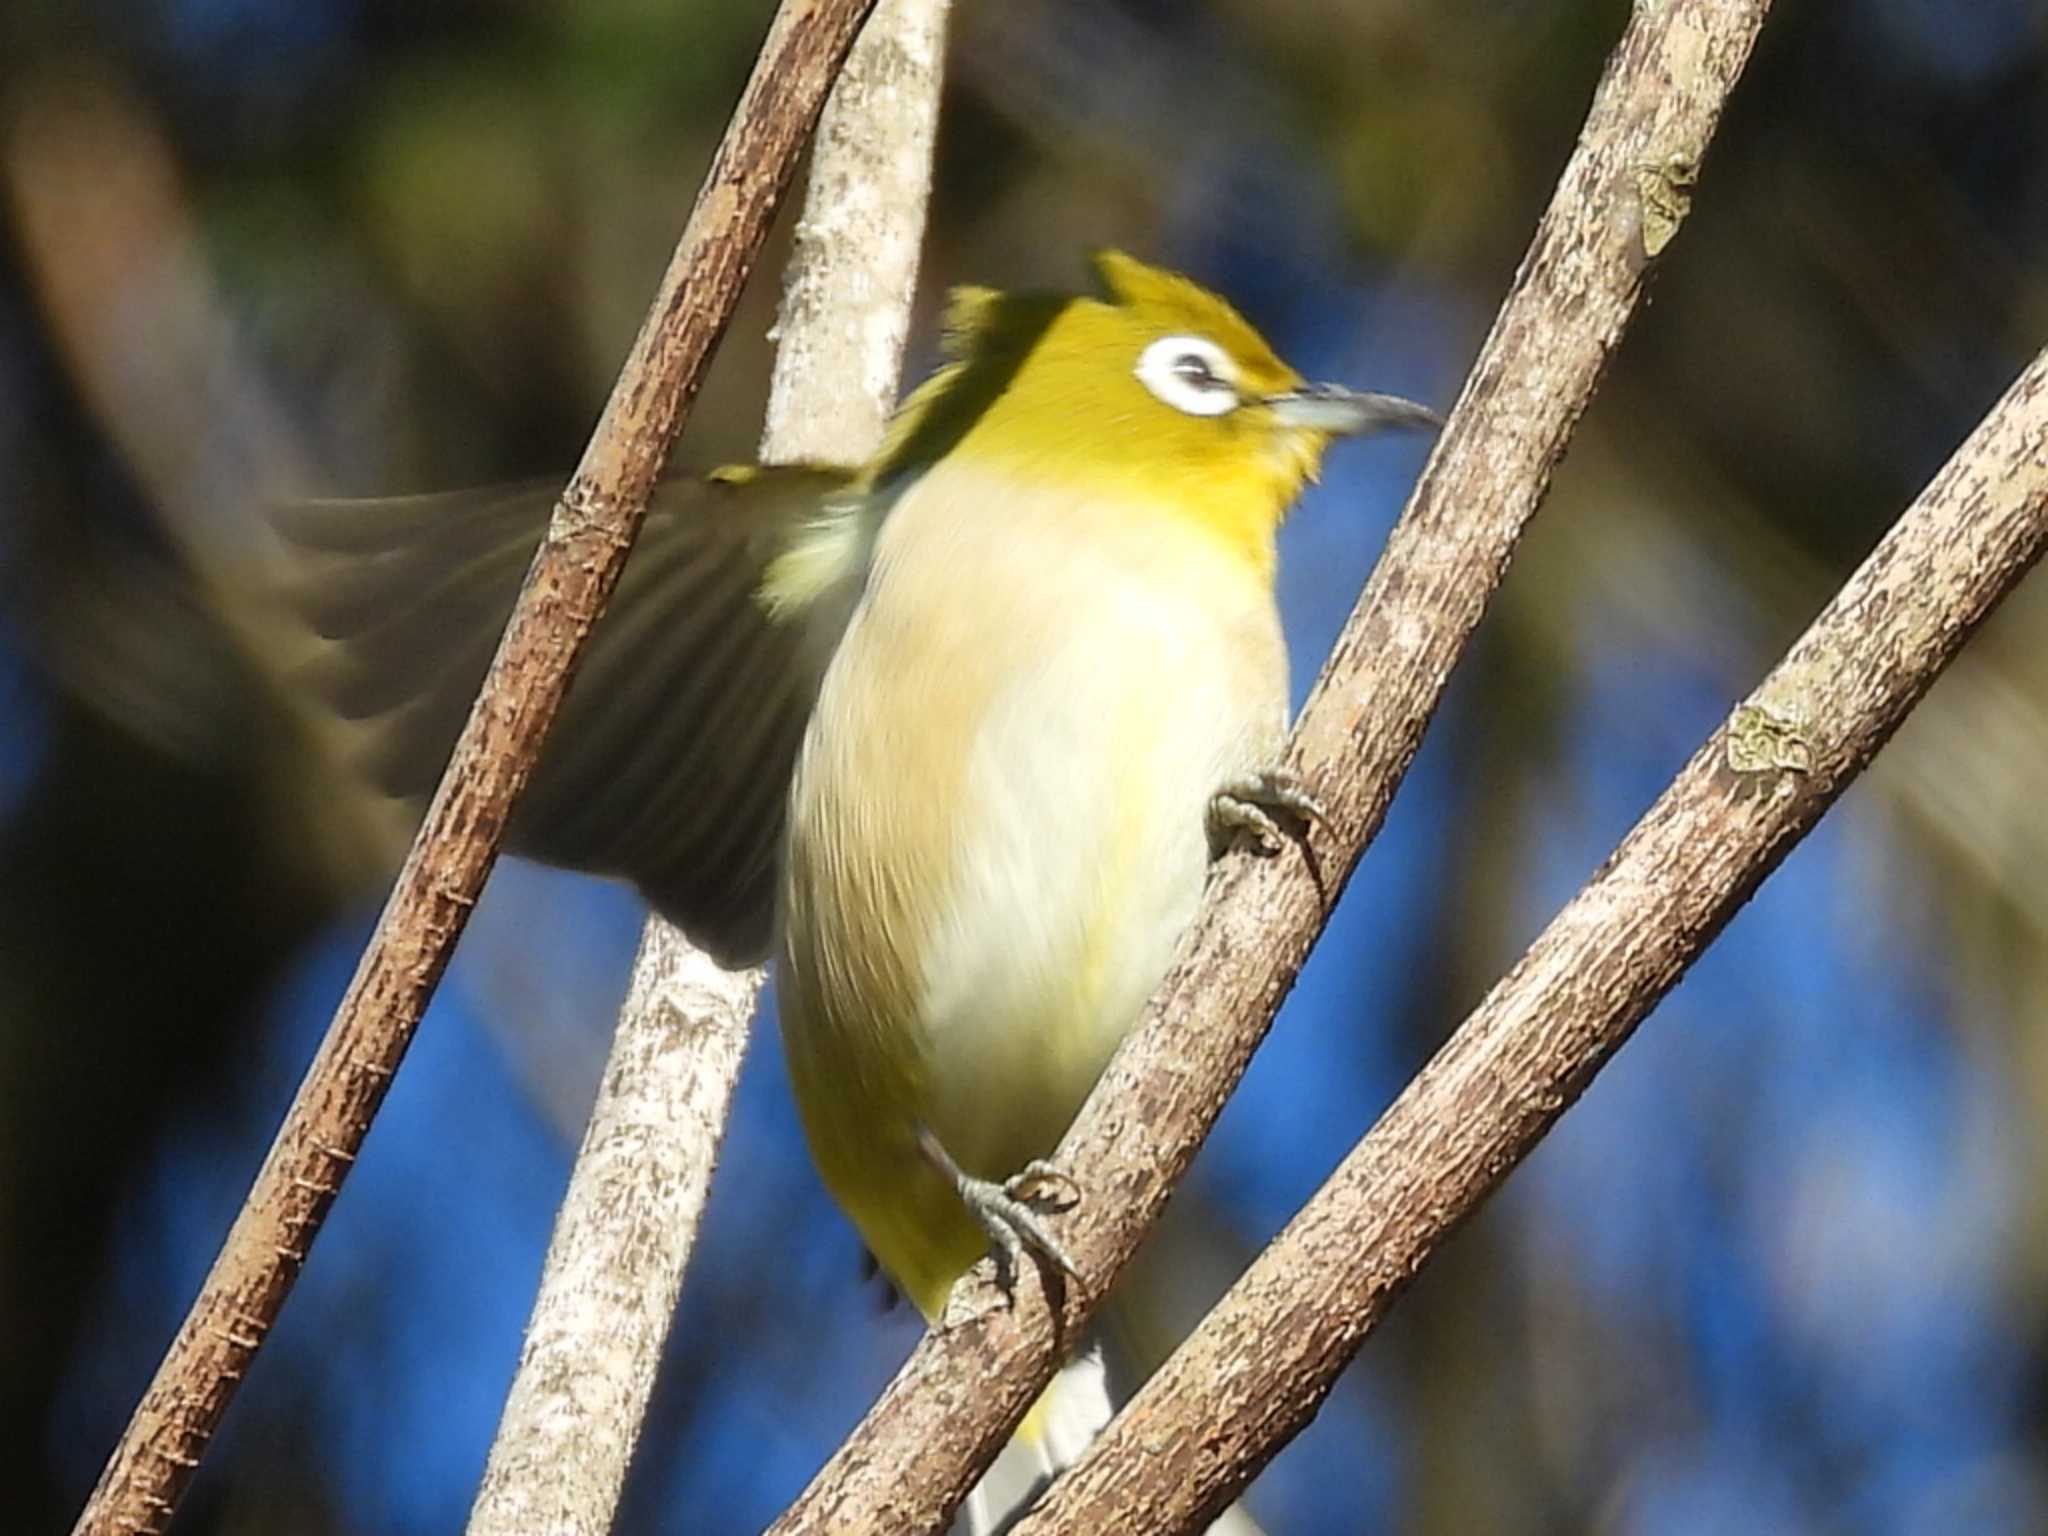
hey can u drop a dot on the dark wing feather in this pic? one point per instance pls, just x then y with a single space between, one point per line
670 763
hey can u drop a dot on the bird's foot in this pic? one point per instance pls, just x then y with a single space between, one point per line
1252 805
1010 1212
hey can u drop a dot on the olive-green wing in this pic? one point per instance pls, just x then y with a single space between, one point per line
670 762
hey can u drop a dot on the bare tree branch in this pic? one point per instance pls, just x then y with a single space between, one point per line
1252 1376
621 1241
846 299
628 1222
578 563
1619 203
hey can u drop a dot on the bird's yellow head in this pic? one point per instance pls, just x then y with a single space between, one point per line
1159 393
1157 396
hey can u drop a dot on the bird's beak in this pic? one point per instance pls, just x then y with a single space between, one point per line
1345 412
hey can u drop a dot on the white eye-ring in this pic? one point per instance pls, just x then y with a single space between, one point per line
1191 374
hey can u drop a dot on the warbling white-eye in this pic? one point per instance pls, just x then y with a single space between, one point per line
971 718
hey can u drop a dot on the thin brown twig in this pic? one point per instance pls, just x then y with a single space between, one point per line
1254 1373
573 573
1620 201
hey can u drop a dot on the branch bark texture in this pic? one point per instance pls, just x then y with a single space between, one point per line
623 1238
846 299
1260 1365
572 575
1621 200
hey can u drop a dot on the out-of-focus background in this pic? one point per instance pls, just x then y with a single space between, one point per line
1783 1269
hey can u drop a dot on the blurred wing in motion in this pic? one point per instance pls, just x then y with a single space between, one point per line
670 763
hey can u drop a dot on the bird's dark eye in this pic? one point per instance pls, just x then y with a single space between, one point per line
1193 368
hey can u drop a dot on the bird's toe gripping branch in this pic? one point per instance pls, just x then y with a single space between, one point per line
1253 804
1010 1212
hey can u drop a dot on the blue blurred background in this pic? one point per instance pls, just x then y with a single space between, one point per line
1782 1270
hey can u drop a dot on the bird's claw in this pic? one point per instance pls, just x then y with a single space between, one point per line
1248 805
1013 1226
1010 1212
1042 1183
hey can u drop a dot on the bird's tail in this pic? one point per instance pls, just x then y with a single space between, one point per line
1074 1408
1072 1411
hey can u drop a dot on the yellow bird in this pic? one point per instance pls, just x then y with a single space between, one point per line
973 718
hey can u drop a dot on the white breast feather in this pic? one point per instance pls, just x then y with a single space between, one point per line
1153 674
